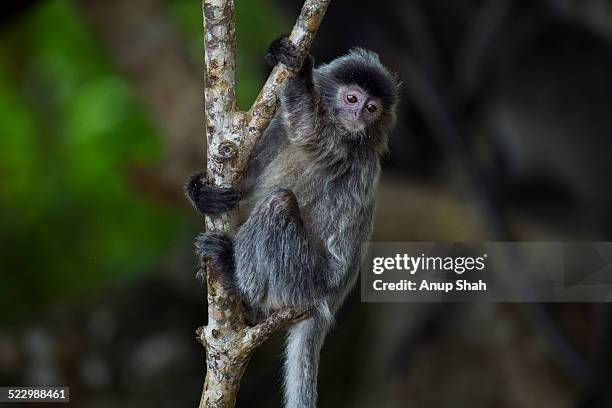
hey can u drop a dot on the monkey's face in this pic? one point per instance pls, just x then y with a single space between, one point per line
355 109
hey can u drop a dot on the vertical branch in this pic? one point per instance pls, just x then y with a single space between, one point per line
231 136
223 371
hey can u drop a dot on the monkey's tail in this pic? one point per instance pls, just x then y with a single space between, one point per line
302 362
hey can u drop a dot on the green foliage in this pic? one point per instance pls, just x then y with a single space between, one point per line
70 224
70 126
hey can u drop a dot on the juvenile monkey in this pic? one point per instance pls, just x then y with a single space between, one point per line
313 179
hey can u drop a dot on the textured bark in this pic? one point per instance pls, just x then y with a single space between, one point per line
231 135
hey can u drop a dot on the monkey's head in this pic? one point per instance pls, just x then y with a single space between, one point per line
358 92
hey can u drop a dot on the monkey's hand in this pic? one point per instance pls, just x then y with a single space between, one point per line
283 51
219 250
209 199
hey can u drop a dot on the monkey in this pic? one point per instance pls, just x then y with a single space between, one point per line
312 178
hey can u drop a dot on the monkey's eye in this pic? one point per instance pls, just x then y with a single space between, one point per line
371 107
350 98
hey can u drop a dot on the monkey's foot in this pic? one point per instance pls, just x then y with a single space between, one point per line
219 250
283 51
209 199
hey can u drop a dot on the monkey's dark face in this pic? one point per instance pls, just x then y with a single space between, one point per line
360 94
355 109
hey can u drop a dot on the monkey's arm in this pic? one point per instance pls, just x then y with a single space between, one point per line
300 102
299 99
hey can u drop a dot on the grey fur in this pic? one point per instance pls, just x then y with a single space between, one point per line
314 198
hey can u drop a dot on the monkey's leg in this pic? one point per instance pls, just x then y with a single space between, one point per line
278 261
209 199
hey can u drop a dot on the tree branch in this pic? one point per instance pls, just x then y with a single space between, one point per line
231 135
257 335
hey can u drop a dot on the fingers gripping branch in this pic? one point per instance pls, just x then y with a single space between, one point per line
282 51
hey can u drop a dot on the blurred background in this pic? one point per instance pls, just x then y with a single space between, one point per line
504 134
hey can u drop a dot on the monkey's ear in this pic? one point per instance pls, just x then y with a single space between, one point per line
283 51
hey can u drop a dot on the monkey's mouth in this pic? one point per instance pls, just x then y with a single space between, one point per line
352 125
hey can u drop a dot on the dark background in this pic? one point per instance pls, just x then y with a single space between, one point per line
504 134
